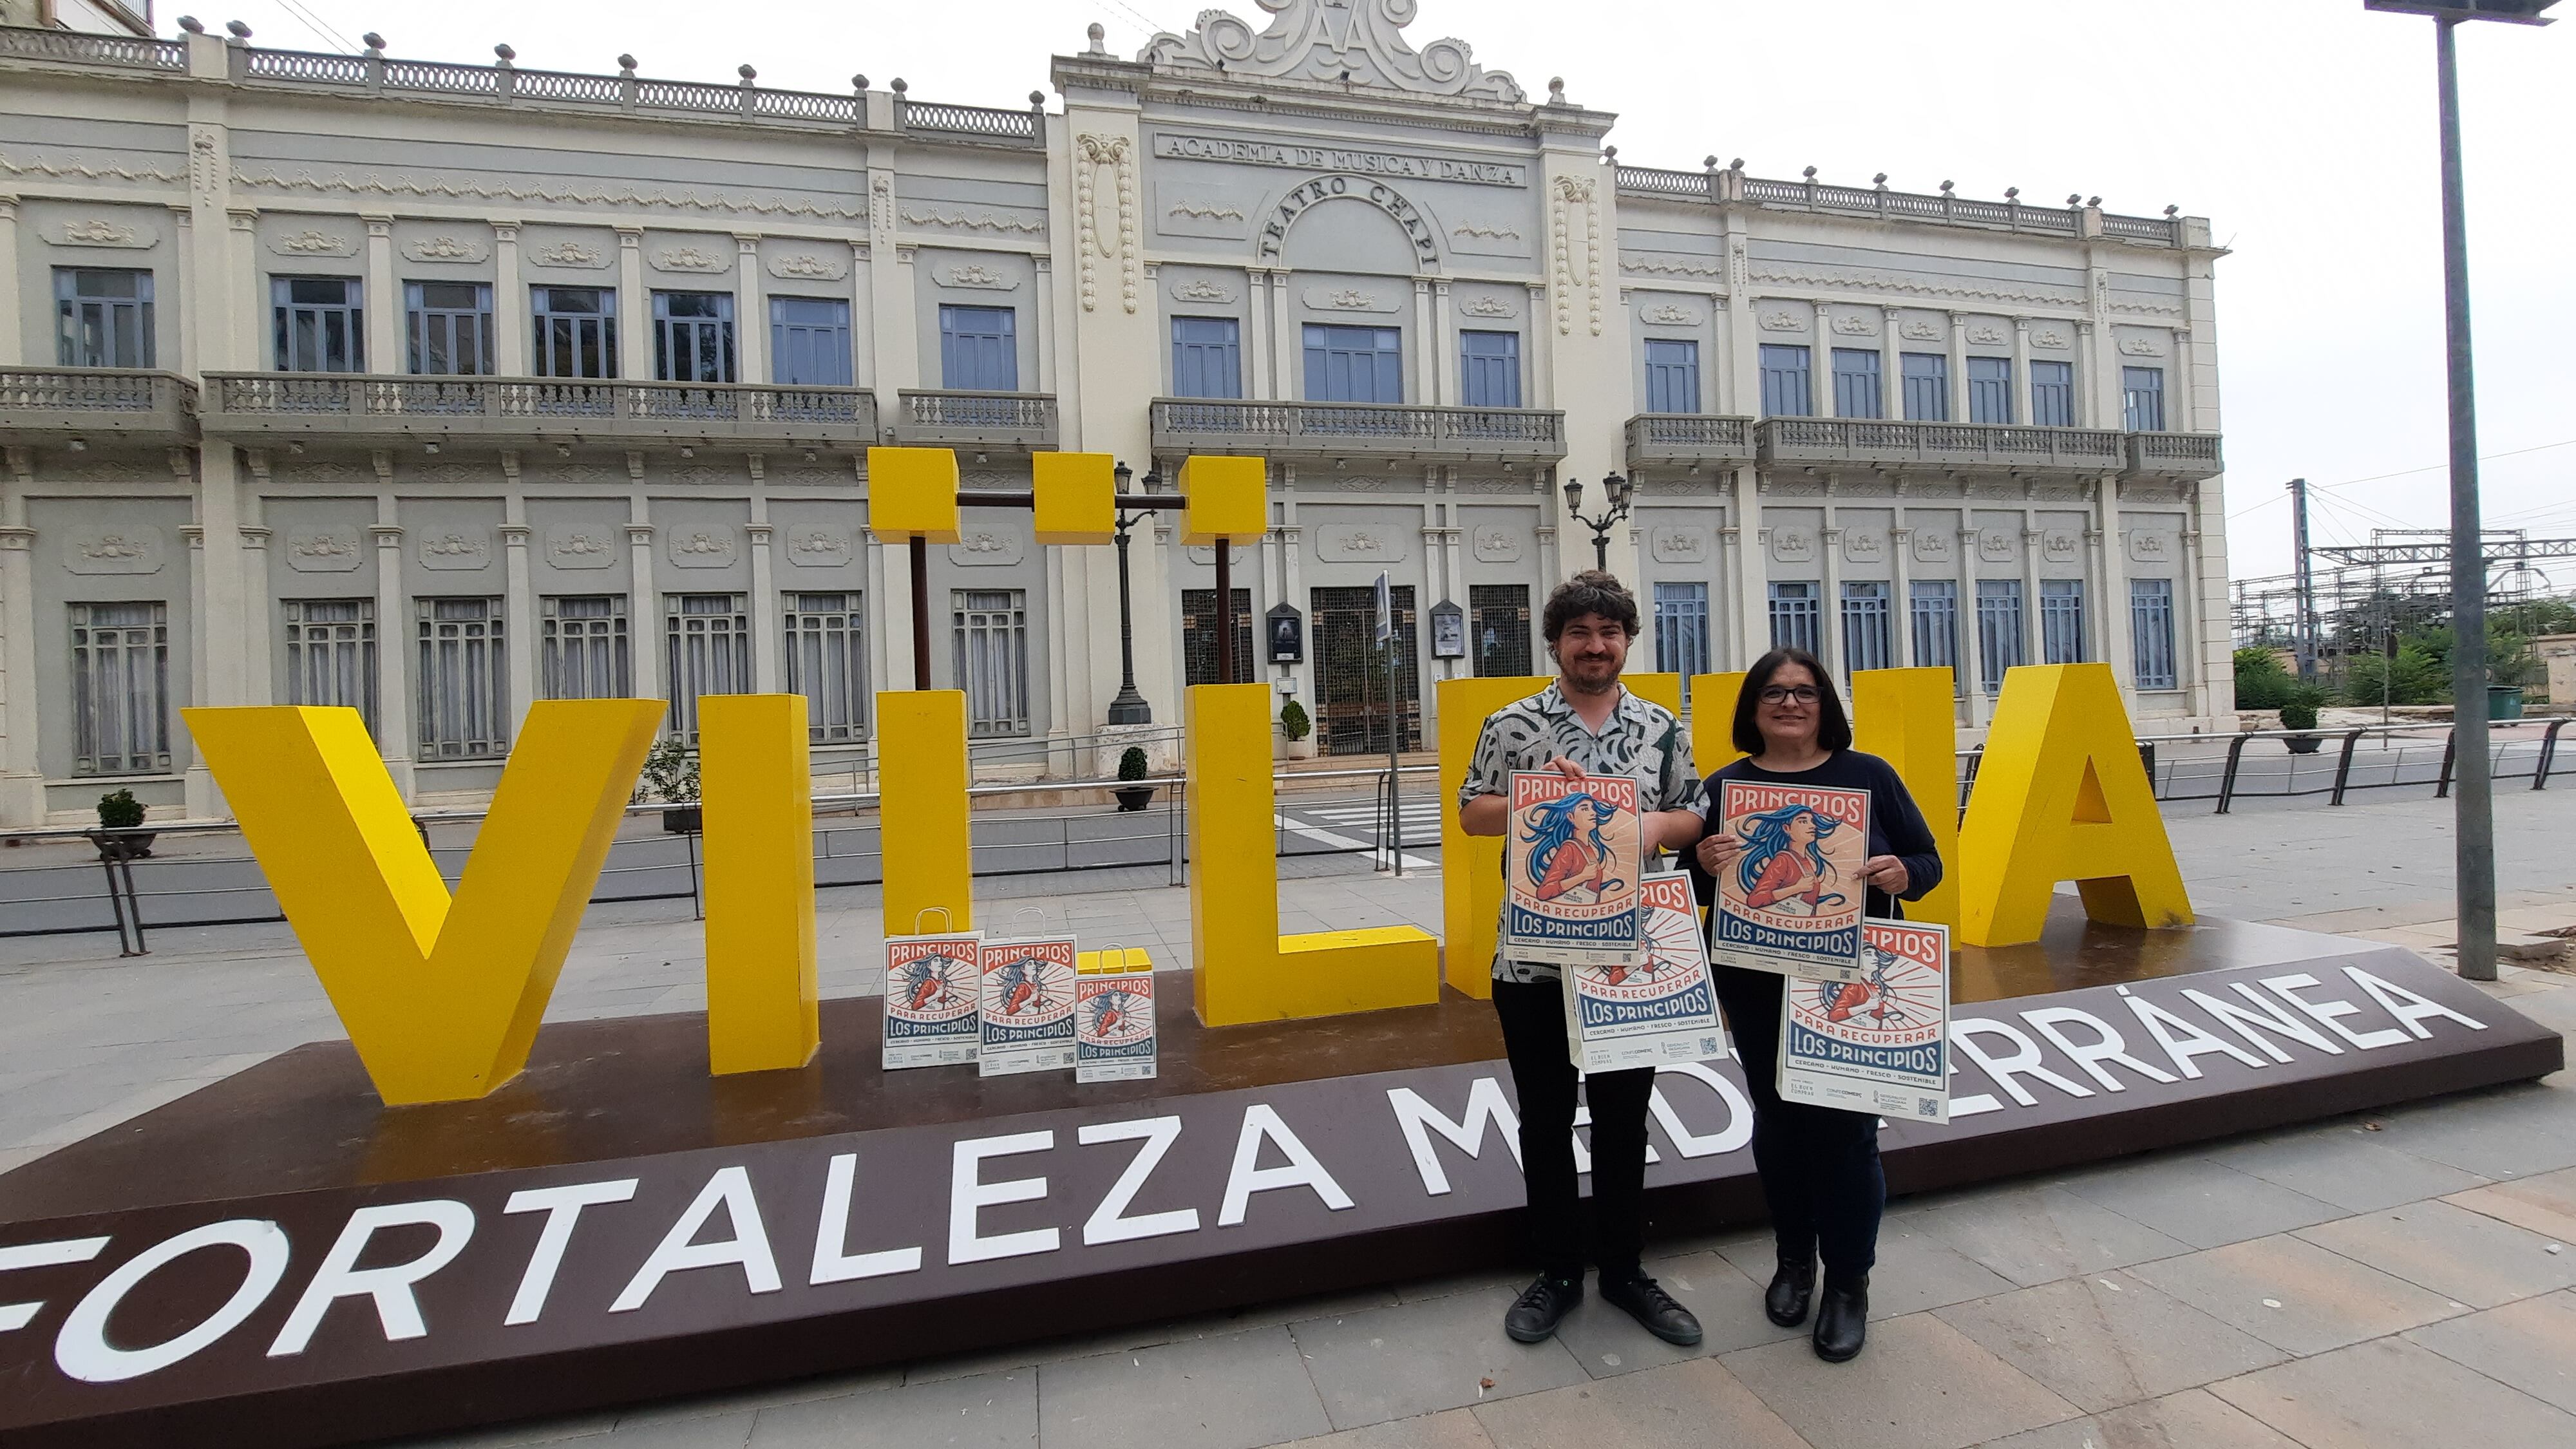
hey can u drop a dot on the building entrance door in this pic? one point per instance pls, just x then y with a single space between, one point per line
1350 673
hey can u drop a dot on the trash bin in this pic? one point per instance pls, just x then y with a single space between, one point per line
2504 701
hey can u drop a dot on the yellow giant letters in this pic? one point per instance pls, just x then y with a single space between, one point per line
2063 796
1906 717
441 997
1471 866
758 789
922 809
1245 970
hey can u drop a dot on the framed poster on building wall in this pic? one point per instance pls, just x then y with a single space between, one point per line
1448 631
1287 635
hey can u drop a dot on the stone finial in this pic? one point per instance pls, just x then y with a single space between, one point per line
2075 198
239 30
626 67
1946 187
899 86
192 25
859 83
747 73
1708 163
1099 34
1879 181
1735 165
2172 211
1037 98
2092 201
1809 173
375 43
1556 90
1610 154
2012 193
506 54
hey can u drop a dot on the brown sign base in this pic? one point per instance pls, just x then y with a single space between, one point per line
278 1260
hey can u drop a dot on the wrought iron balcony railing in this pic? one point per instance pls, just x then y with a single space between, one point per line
59 404
1685 438
1008 421
1375 430
361 405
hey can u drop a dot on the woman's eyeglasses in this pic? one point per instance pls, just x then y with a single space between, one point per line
1783 693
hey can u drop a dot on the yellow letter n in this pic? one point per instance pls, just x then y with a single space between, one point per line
440 996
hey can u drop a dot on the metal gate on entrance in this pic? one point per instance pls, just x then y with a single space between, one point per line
1350 675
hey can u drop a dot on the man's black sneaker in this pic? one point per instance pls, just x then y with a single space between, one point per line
1541 1307
1646 1301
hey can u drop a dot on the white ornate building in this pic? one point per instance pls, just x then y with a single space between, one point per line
435 389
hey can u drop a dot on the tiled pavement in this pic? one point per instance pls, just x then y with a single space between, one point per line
2383 1280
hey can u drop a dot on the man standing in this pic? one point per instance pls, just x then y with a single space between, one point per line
1585 724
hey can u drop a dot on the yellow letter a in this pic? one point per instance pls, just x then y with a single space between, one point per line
440 997
2062 796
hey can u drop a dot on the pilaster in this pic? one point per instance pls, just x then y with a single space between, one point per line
1972 636
510 318
22 777
12 341
634 308
383 300
394 632
1900 603
751 332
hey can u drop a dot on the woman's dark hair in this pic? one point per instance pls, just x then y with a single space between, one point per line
1589 592
1833 727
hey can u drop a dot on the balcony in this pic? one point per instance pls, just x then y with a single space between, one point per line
85 405
2173 457
1688 439
1008 422
360 406
1357 430
1938 447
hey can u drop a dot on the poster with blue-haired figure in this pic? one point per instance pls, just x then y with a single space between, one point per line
1574 871
1791 902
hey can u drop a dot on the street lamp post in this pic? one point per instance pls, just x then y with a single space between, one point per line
2472 807
1129 708
1619 491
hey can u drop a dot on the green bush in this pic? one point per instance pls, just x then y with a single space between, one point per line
2261 682
1293 721
120 811
670 773
2415 676
2299 714
1131 765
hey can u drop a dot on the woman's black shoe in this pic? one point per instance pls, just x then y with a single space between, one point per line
1842 1322
1542 1305
1785 1301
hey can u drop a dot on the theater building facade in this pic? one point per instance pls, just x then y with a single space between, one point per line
437 389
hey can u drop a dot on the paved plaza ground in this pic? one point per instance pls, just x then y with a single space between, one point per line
2386 1279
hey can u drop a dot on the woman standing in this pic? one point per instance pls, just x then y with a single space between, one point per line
1819 1165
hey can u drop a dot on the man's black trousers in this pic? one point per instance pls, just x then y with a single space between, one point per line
1533 1018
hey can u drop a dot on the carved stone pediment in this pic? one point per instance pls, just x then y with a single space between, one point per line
1355 42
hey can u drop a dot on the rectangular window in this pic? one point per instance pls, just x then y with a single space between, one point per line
827 662
1867 640
1354 364
576 331
450 328
1797 617
1489 369
1856 384
1499 617
1672 376
2143 388
583 647
331 654
2061 621
121 688
104 317
2052 394
979 349
992 643
1927 387
1990 390
1198 636
1681 631
809 341
319 324
1785 390
1935 610
464 680
1999 643
693 336
2151 632
708 638
1207 357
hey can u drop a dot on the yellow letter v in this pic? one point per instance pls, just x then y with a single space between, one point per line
441 997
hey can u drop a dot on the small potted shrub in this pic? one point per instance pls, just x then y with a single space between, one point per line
2300 713
1131 766
671 776
1300 730
118 835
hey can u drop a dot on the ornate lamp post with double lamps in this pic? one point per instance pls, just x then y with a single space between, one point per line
1129 708
1619 491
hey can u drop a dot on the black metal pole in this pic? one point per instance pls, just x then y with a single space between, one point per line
1129 707
2306 640
921 612
1224 611
2474 822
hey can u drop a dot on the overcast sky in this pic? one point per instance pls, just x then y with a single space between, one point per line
2304 129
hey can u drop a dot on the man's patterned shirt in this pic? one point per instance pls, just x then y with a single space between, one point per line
1641 741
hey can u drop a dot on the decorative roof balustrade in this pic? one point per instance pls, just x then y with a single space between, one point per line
84 49
1719 184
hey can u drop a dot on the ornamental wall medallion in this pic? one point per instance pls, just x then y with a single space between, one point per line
313 242
570 254
455 550
101 232
1669 315
1920 331
1853 325
1986 336
2141 347
2147 546
1489 306
134 549
1864 545
1496 545
1345 544
818 547
1678 545
1931 546
445 249
983 277
2048 337
808 267
1200 289
976 549
581 546
701 548
1994 545
2059 547
323 550
692 259
1345 299
1793 545
1204 553
1783 322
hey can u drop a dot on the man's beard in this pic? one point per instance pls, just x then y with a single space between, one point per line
1580 684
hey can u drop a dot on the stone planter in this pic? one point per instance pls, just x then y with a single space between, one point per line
1302 749
1132 798
2304 744
115 845
681 819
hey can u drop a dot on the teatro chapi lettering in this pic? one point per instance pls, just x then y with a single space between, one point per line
1274 232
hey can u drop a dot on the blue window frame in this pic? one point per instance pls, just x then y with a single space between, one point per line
1672 375
979 349
693 336
576 331
2151 632
1999 641
1354 364
1207 357
1868 635
2144 390
809 343
449 325
2061 621
1489 369
2052 394
1857 384
1786 389
1681 631
1935 605
1990 394
1927 387
319 324
105 317
1797 616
